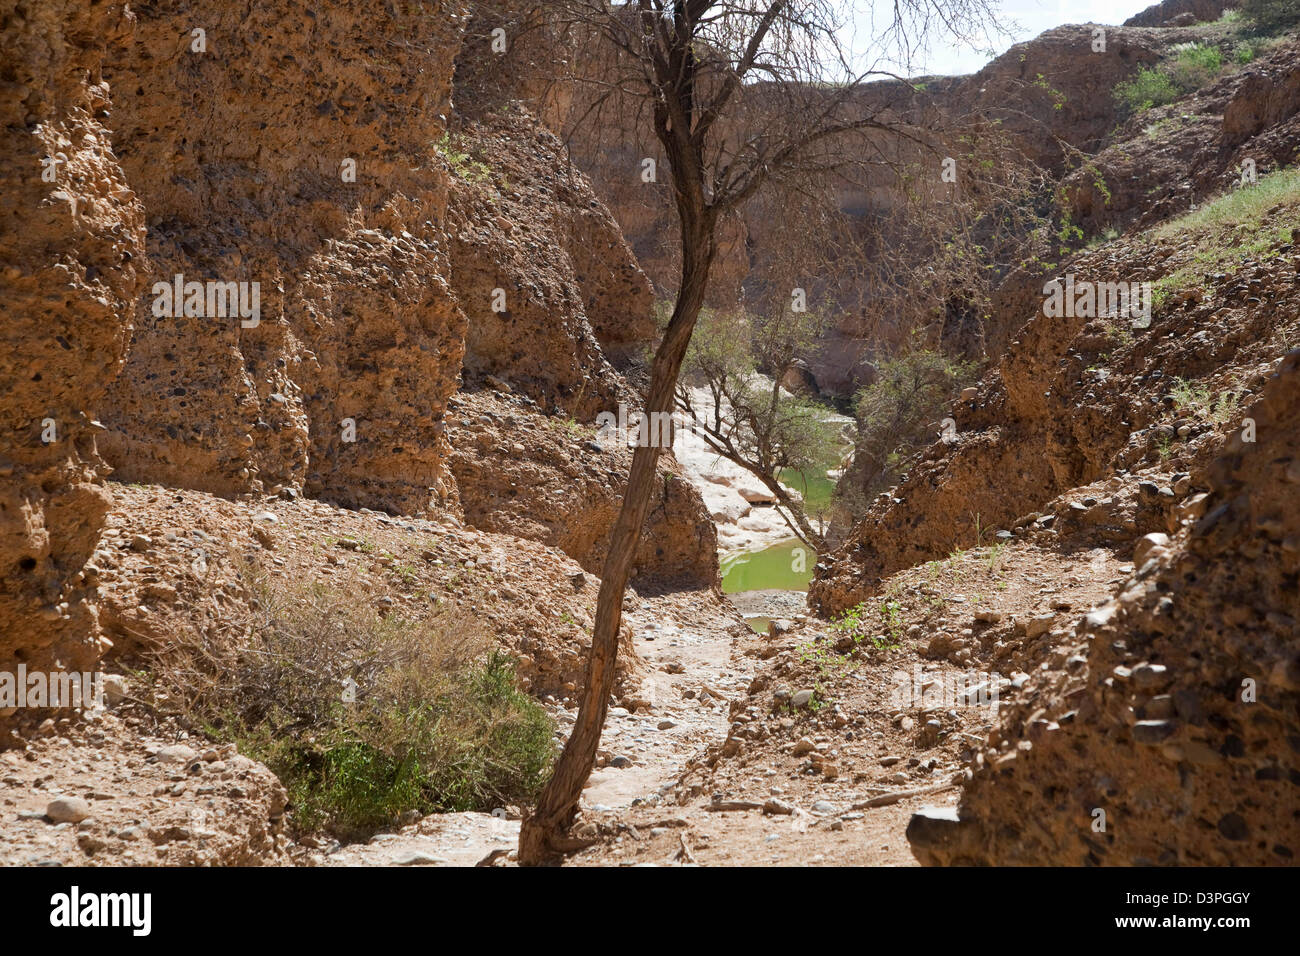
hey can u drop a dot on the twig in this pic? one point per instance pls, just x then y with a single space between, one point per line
886 799
685 852
726 805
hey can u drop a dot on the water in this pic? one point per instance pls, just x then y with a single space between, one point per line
815 488
787 566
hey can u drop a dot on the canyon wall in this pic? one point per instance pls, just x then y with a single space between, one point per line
351 251
71 251
1172 738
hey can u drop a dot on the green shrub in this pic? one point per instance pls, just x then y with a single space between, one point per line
1194 66
364 718
1147 89
896 411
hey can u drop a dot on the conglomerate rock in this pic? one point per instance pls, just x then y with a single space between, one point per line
71 246
1174 741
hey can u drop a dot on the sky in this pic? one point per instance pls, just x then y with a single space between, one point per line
1024 19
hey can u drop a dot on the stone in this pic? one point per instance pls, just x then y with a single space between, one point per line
115 689
417 858
1151 732
802 698
177 753
67 810
1039 625
1146 545
1149 677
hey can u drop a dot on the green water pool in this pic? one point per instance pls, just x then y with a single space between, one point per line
787 566
816 489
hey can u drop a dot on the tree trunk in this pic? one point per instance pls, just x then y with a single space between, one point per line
543 836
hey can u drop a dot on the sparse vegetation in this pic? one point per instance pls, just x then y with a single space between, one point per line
1192 66
863 621
1200 400
1271 16
899 412
463 166
364 718
1228 230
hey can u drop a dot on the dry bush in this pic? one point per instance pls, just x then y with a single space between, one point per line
363 717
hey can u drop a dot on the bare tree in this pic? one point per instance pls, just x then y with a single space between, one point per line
739 94
750 420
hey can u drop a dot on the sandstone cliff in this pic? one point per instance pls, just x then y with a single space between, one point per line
71 258
363 252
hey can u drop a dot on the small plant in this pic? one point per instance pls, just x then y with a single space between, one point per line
995 556
891 616
1225 409
1148 88
857 623
462 165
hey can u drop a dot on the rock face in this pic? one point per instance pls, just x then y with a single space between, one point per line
1167 11
242 148
1080 400
546 479
529 229
338 233
70 248
1175 743
389 243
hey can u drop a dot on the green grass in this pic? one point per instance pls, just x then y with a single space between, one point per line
1228 230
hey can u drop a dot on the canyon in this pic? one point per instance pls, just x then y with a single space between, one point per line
1102 555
